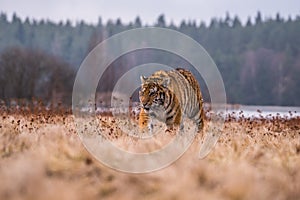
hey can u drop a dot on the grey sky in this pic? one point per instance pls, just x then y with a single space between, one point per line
148 10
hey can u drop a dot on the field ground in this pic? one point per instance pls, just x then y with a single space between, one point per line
42 157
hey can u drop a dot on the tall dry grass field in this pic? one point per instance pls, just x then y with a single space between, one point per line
42 157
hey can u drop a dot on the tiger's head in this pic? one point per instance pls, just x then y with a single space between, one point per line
153 93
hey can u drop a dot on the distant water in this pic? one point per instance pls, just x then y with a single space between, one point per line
262 111
234 111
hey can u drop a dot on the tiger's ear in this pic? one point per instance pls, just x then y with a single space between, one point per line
166 82
143 79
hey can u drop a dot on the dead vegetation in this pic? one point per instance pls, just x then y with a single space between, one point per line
42 157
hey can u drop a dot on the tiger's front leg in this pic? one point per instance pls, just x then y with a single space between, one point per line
174 122
145 122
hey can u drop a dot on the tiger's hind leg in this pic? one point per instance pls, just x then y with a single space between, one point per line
199 120
200 125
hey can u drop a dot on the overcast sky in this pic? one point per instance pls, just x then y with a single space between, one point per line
148 10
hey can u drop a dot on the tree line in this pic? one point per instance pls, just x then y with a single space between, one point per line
259 60
31 74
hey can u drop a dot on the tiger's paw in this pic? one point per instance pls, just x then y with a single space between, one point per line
171 130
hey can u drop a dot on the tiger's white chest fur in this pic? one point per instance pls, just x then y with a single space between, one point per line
158 112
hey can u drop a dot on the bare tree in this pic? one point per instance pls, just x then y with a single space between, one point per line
27 74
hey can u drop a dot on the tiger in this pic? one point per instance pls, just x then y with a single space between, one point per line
169 96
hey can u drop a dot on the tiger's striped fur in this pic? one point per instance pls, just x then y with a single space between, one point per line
168 96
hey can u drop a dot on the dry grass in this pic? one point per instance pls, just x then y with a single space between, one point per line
43 158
